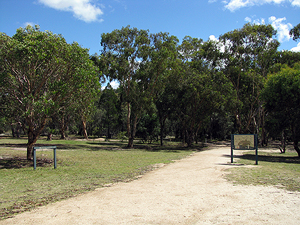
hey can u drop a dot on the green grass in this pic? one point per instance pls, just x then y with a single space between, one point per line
81 166
275 169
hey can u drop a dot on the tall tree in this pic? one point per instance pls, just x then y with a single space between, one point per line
109 103
137 60
201 90
282 99
246 56
41 71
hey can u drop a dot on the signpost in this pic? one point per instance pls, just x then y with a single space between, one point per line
244 142
44 147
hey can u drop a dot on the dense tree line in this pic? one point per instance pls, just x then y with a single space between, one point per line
191 90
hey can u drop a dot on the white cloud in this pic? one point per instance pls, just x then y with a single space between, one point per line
248 19
296 49
255 21
30 24
295 2
279 24
233 5
114 84
282 28
82 9
236 4
213 38
220 45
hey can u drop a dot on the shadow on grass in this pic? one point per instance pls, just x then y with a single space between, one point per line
14 162
18 163
269 158
117 146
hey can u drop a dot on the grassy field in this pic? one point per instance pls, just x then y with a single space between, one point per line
85 165
81 166
274 168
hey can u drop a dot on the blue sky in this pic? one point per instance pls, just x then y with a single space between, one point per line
84 21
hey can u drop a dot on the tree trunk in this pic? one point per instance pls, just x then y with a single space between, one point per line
49 137
264 141
129 133
84 129
296 147
32 138
239 123
296 137
131 138
33 135
283 141
189 137
62 134
130 142
162 127
62 128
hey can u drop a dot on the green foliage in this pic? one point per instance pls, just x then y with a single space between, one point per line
282 90
246 59
282 99
196 86
148 127
295 32
43 73
138 60
109 102
122 136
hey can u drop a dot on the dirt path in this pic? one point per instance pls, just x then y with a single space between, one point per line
190 191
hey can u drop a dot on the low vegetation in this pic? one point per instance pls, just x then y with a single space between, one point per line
81 166
274 169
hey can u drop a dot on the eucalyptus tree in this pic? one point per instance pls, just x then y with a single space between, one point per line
41 72
165 102
137 60
282 99
109 103
282 58
246 55
201 89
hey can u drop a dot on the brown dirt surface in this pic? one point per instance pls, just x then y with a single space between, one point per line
190 191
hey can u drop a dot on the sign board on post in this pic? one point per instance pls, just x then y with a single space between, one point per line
44 147
244 142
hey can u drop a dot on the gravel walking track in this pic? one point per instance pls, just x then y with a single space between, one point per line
190 191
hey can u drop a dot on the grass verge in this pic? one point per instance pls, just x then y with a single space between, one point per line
81 166
275 169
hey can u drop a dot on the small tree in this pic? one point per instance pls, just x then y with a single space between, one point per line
41 71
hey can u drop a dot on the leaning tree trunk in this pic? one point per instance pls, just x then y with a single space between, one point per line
33 135
32 138
296 147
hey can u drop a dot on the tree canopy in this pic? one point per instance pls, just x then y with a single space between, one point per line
282 101
191 90
41 72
